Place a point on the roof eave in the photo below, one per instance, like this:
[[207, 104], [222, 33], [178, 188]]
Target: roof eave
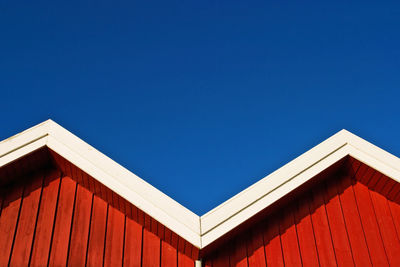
[[200, 231]]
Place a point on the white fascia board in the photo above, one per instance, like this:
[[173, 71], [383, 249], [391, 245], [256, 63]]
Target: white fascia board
[[269, 183], [23, 139], [200, 231], [275, 190], [123, 182], [370, 149], [132, 189], [15, 154], [129, 186], [247, 203]]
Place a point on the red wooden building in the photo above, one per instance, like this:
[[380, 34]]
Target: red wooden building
[[65, 203]]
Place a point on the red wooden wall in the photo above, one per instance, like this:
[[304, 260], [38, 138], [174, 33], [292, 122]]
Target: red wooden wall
[[62, 217], [351, 218]]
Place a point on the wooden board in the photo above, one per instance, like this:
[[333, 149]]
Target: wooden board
[[27, 221], [62, 225], [80, 227]]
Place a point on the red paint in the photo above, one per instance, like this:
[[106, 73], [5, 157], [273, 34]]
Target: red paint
[[114, 238], [45, 221], [305, 233], [238, 256], [387, 227], [168, 255], [151, 249], [287, 230], [346, 218], [255, 248], [133, 243], [78, 221], [222, 259], [80, 227], [62, 227], [184, 253], [322, 231], [8, 222], [97, 232], [272, 243], [337, 225], [369, 222], [27, 221], [353, 223]]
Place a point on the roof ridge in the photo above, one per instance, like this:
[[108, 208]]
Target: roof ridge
[[198, 230]]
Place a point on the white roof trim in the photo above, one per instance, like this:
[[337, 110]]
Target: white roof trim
[[200, 231]]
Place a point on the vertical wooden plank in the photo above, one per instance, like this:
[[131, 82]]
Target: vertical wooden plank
[[128, 209], [322, 232], [45, 220], [195, 253], [222, 258], [168, 255], [387, 227], [374, 179], [62, 226], [238, 257], [153, 226], [133, 243], [337, 224], [114, 238], [181, 245], [255, 248], [370, 225], [174, 240], [184, 259], [147, 221], [393, 193], [67, 168], [360, 171], [272, 243], [390, 183], [287, 230], [167, 235], [160, 231], [141, 216], [134, 213], [395, 211], [27, 221], [80, 227], [8, 221], [380, 184], [151, 249], [75, 175], [97, 233], [305, 233], [353, 223], [188, 251]]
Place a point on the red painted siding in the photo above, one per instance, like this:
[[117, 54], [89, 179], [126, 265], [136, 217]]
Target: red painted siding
[[61, 217], [351, 217]]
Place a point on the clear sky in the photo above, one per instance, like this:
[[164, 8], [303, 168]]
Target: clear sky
[[202, 98]]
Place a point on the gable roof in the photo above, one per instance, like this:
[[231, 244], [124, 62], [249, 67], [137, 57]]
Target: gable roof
[[198, 230]]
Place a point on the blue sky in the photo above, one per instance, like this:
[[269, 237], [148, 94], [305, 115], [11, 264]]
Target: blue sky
[[202, 98]]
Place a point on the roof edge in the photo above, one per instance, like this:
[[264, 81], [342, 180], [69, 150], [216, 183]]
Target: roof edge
[[123, 182], [204, 230]]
